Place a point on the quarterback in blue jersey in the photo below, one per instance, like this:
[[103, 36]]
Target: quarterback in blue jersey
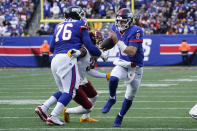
[[69, 36], [128, 38]]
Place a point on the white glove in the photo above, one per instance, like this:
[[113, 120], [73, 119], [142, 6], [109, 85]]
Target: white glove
[[75, 53], [104, 57]]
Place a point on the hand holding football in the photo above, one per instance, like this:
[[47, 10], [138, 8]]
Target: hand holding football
[[107, 44]]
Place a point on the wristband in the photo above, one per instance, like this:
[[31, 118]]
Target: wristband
[[121, 45]]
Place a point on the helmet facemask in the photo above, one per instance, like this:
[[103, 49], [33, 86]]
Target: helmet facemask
[[82, 15], [123, 27]]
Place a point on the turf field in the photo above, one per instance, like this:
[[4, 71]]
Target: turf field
[[162, 103]]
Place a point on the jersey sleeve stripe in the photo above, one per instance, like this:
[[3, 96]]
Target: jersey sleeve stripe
[[83, 27], [135, 40]]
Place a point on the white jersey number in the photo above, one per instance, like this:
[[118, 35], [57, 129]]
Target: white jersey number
[[66, 35]]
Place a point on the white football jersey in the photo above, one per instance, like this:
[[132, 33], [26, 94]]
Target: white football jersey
[[83, 63]]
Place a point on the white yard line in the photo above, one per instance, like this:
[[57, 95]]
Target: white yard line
[[118, 91], [105, 129], [46, 96], [15, 108], [15, 102], [179, 80], [105, 117]]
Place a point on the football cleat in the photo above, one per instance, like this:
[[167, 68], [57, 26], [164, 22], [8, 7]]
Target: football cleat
[[88, 120], [65, 115], [41, 113], [108, 105], [54, 120], [118, 121], [193, 112]]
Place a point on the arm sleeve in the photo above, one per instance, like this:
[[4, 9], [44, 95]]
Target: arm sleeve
[[93, 50], [52, 43], [96, 74]]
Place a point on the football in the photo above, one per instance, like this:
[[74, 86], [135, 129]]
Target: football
[[107, 44]]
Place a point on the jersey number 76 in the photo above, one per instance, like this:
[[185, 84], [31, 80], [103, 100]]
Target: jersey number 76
[[66, 35]]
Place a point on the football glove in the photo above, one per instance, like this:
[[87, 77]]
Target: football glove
[[74, 53], [108, 76]]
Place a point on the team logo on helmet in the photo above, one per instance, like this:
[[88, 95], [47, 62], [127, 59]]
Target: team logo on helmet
[[124, 15]]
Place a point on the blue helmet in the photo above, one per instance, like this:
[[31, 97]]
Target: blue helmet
[[124, 14], [75, 12]]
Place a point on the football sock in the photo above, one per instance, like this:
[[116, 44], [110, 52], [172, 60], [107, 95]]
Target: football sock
[[125, 106], [87, 115], [93, 100], [51, 101], [77, 110], [113, 84], [63, 100], [58, 109]]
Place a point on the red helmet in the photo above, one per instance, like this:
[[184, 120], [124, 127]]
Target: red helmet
[[96, 37]]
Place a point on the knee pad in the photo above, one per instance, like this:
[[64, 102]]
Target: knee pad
[[113, 82], [65, 98]]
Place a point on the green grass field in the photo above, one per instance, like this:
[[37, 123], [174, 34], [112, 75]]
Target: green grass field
[[162, 103]]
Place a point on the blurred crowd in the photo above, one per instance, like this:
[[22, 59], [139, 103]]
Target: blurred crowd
[[168, 17], [94, 8], [154, 16], [15, 16]]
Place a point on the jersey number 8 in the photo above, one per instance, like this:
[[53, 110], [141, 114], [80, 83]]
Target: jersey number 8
[[66, 32]]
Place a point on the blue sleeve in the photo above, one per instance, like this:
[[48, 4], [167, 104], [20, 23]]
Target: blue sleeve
[[93, 50], [52, 44]]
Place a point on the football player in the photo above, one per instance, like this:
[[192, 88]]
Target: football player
[[128, 37], [68, 35], [86, 95]]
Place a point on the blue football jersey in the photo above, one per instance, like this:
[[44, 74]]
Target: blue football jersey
[[71, 34], [133, 36]]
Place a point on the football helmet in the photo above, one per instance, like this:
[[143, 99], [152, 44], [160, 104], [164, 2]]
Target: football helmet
[[75, 12], [96, 37], [126, 16]]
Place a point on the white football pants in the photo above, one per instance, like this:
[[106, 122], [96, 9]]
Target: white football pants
[[65, 73], [134, 76]]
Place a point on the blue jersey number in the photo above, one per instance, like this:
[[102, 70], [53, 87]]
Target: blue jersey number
[[66, 35]]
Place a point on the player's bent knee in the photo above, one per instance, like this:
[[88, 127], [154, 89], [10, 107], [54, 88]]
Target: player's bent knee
[[57, 94], [113, 79]]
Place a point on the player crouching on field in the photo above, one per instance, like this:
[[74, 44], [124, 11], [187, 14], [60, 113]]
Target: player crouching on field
[[128, 38], [86, 95]]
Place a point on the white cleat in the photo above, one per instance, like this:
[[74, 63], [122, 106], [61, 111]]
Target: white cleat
[[41, 113], [193, 112], [54, 120]]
